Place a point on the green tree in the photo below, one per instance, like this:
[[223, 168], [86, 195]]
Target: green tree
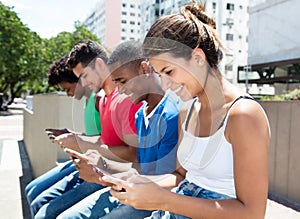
[[25, 57], [19, 52], [61, 45]]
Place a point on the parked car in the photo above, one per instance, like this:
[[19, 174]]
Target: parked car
[[3, 103]]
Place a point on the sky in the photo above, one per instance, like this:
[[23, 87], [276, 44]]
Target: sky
[[50, 17]]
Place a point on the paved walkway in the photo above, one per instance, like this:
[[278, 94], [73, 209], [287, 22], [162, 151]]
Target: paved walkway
[[15, 173]]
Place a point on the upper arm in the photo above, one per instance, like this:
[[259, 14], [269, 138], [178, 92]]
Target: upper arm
[[248, 132], [126, 116]]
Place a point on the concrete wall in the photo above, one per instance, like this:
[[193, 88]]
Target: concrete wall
[[274, 31], [284, 150], [59, 111], [49, 111]]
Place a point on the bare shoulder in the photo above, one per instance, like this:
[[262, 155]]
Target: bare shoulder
[[247, 117], [247, 109]]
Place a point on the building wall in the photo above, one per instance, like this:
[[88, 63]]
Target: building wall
[[274, 31], [112, 23], [232, 21], [131, 20], [106, 21], [122, 20], [49, 111]]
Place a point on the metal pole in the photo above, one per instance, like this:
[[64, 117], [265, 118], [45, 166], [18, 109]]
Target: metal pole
[[246, 69]]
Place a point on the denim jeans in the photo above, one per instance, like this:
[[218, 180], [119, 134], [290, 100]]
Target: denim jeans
[[127, 212], [189, 189], [101, 204], [43, 182], [61, 196], [93, 206]]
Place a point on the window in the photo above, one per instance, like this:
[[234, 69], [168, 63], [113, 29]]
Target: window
[[132, 22], [229, 37], [132, 14], [228, 67], [156, 12], [124, 12], [124, 22], [132, 30], [124, 5], [123, 30], [214, 5], [123, 38], [131, 6], [230, 7]]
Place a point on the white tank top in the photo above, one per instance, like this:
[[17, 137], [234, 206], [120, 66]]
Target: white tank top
[[208, 160]]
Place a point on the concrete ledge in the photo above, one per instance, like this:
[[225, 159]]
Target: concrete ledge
[[10, 159], [10, 195], [10, 172]]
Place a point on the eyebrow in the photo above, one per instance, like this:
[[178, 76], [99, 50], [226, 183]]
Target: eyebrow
[[117, 79], [164, 68]]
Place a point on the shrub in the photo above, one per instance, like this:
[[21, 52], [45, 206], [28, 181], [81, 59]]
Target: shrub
[[290, 95]]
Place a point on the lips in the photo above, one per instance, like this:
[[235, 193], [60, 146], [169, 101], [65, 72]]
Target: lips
[[178, 89]]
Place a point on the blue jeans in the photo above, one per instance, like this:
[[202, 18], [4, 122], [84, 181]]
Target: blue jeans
[[95, 205], [43, 182], [127, 212], [61, 196], [189, 189], [101, 204]]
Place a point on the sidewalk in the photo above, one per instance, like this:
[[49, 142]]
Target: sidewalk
[[15, 173], [14, 167]]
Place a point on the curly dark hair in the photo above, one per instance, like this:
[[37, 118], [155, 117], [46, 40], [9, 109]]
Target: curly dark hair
[[59, 72], [84, 52]]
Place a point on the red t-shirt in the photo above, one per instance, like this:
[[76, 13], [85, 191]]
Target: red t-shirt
[[117, 118]]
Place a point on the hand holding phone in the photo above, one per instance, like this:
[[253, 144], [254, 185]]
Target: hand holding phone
[[52, 133], [77, 155], [100, 171]]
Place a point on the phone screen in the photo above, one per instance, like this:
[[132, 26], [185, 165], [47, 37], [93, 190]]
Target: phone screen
[[100, 171]]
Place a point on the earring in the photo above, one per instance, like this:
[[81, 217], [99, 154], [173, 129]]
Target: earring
[[146, 76], [200, 61]]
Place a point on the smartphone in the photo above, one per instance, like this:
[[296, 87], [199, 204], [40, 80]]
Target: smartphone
[[75, 154], [100, 171]]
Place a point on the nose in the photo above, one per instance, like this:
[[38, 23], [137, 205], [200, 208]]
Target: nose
[[166, 82], [83, 82], [121, 88]]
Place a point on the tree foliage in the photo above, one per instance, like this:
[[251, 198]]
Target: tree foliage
[[19, 49], [60, 45], [25, 56]]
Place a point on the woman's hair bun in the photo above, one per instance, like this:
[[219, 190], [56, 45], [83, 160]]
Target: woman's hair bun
[[199, 11]]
